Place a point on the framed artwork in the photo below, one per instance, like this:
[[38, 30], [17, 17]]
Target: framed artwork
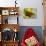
[[5, 12], [29, 13]]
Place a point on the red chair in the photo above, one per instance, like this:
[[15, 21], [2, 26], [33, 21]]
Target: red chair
[[29, 33]]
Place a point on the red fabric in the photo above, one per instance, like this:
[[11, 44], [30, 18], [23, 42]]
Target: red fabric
[[29, 33]]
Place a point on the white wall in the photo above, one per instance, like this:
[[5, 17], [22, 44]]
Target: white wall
[[7, 3], [27, 3], [33, 4]]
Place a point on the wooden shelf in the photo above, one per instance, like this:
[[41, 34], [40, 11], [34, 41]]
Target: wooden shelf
[[7, 13], [9, 43], [13, 27], [9, 8]]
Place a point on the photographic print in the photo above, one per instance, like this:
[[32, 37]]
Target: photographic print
[[5, 12], [29, 13]]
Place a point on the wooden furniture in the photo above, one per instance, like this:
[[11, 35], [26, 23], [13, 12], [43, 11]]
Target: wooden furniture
[[8, 26], [10, 43], [6, 12], [11, 26], [44, 6], [0, 43]]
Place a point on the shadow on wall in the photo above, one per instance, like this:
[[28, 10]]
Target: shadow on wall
[[37, 29]]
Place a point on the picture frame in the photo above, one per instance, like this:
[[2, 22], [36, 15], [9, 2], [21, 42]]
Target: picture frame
[[5, 12], [30, 13]]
